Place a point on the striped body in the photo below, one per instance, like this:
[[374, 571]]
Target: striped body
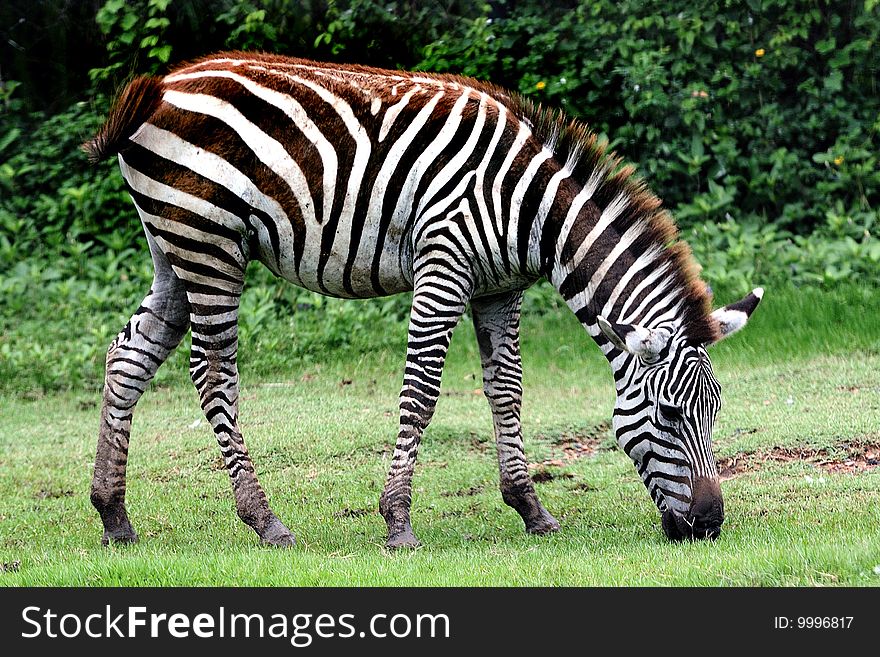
[[359, 182], [338, 194]]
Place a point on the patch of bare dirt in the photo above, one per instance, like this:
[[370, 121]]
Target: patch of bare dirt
[[575, 445], [543, 475], [476, 392], [465, 492], [846, 457], [860, 457], [352, 513], [569, 446], [53, 494], [479, 444]]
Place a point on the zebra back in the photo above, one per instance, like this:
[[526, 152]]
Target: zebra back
[[336, 172]]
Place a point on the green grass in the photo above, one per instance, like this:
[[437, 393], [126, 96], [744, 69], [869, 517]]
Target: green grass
[[321, 449]]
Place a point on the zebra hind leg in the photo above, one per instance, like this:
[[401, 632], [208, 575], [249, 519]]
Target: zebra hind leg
[[214, 371], [152, 333], [496, 321]]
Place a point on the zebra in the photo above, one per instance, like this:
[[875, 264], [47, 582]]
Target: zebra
[[359, 182]]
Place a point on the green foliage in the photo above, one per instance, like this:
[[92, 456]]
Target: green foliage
[[727, 108], [131, 39], [468, 48], [249, 28], [738, 256], [55, 205], [390, 34], [757, 123]]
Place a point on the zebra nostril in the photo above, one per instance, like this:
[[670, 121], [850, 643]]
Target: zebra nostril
[[712, 533], [706, 512], [703, 521], [706, 522]]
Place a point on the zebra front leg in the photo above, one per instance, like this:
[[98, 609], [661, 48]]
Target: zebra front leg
[[214, 371], [439, 301], [496, 321], [152, 333]]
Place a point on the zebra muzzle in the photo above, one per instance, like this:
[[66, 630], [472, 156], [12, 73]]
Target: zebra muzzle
[[703, 519]]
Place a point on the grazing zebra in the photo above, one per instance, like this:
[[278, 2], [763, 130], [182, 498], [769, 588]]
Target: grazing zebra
[[359, 182]]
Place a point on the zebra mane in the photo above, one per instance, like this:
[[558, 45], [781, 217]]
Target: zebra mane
[[576, 145]]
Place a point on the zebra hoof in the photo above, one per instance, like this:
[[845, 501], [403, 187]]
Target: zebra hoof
[[403, 540], [114, 518], [277, 535], [285, 541], [120, 536], [546, 524]]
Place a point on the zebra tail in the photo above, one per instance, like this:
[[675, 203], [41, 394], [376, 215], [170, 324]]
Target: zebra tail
[[137, 102]]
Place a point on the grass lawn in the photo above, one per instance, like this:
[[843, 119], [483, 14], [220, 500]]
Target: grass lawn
[[798, 438]]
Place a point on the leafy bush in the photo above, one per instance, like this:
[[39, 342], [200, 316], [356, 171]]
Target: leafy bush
[[738, 256], [130, 37], [756, 121], [765, 110], [55, 205]]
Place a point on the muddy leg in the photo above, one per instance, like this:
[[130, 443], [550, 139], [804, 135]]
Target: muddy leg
[[214, 371], [496, 320], [152, 333]]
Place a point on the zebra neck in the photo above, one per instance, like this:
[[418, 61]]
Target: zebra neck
[[604, 266]]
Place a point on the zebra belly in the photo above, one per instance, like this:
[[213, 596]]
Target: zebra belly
[[365, 269]]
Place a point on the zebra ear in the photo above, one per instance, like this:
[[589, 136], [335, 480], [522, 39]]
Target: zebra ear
[[637, 340], [733, 317]]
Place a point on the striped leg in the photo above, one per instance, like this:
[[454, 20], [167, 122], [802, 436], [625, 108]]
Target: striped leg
[[152, 333], [214, 371], [496, 320], [439, 300]]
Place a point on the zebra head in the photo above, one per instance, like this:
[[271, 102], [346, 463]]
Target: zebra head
[[667, 400]]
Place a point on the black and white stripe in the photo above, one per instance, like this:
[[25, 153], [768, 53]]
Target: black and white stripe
[[358, 182]]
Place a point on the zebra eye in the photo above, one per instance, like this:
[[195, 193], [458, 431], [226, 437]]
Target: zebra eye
[[672, 413]]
